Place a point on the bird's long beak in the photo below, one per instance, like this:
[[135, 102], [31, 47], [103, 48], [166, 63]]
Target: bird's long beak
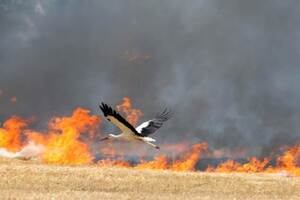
[[105, 138]]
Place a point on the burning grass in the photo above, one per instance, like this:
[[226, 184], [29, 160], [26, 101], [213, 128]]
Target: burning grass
[[31, 180], [59, 163], [67, 142]]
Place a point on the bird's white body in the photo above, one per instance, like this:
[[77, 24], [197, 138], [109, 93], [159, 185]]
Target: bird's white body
[[131, 137]]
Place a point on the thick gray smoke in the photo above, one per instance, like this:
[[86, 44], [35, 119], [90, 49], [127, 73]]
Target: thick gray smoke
[[228, 69]]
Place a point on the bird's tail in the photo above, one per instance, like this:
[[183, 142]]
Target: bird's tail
[[148, 139]]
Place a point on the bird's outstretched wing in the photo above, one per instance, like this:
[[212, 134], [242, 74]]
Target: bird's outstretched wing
[[115, 118], [151, 126]]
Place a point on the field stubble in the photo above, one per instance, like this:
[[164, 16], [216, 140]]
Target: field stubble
[[31, 180]]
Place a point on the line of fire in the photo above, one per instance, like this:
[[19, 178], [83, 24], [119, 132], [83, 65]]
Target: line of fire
[[73, 140]]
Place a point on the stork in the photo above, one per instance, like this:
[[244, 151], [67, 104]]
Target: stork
[[130, 133]]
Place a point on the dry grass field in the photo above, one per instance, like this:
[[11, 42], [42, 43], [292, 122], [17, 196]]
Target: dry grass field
[[30, 180]]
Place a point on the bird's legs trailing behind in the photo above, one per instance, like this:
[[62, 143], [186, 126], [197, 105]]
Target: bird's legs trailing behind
[[148, 141], [153, 145]]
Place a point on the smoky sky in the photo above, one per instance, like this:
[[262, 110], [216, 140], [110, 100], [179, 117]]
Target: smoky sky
[[228, 69]]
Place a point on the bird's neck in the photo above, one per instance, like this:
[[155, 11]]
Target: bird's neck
[[114, 136]]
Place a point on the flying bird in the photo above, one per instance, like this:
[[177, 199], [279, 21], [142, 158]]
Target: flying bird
[[130, 133]]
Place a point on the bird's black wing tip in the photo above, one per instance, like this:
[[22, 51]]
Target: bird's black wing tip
[[166, 114], [104, 105], [101, 106], [105, 108]]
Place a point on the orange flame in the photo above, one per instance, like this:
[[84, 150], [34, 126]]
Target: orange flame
[[187, 163], [159, 162], [10, 134], [288, 162], [132, 114], [63, 143], [254, 165], [190, 160], [64, 146]]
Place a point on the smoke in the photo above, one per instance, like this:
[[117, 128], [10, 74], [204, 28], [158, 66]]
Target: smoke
[[228, 69], [29, 151]]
